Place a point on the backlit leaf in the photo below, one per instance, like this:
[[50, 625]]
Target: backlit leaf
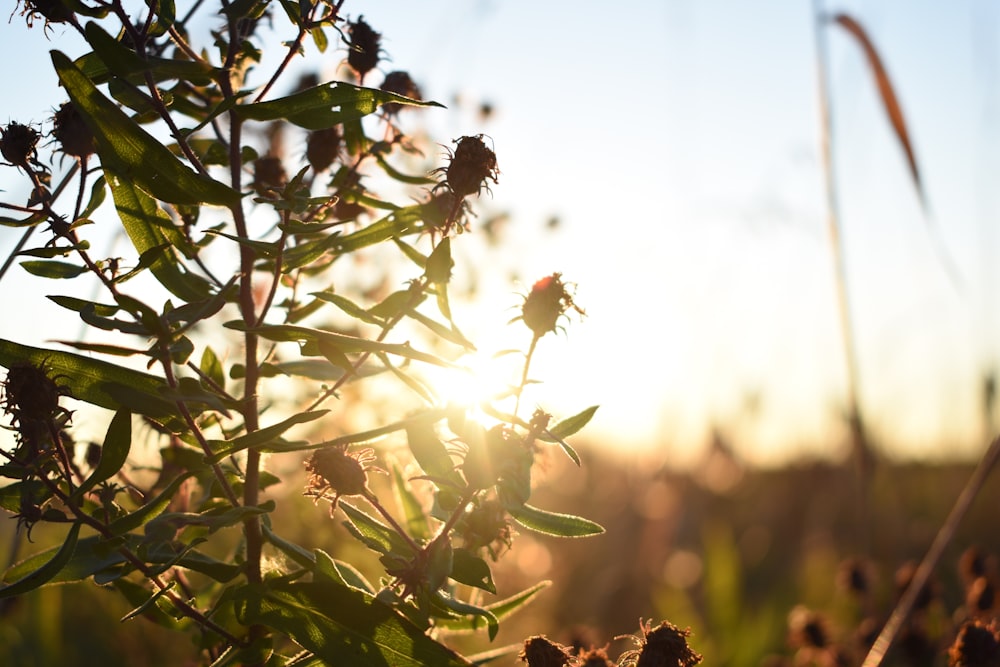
[[44, 572], [553, 523]]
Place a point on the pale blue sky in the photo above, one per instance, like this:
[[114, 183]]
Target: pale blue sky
[[678, 142]]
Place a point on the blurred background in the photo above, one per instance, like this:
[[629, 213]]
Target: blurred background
[[666, 158]]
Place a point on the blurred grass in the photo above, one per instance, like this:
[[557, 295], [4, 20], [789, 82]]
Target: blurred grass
[[727, 551]]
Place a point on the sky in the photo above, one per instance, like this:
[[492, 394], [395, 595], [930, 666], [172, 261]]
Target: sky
[[678, 145]]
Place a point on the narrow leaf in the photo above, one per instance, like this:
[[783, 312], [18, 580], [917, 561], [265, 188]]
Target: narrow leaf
[[52, 269], [325, 105], [500, 610], [571, 425], [376, 535], [413, 511], [131, 152], [224, 448], [471, 570], [553, 523], [95, 381], [114, 452], [47, 571], [150, 510], [145, 223], [343, 626]]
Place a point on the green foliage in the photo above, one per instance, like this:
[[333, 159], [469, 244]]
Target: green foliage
[[204, 324]]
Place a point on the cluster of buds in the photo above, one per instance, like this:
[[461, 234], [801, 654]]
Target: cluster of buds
[[665, 645]]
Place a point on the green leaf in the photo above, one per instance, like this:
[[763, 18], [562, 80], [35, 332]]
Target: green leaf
[[430, 452], [45, 572], [346, 344], [211, 367], [500, 610], [373, 533], [440, 263], [52, 269], [413, 511], [114, 452], [93, 556], [223, 448], [101, 348], [349, 307], [75, 304], [339, 572], [397, 175], [325, 105], [165, 526], [398, 223], [553, 523], [571, 425], [466, 609], [146, 223], [132, 153], [471, 570], [342, 626], [96, 381], [119, 60]]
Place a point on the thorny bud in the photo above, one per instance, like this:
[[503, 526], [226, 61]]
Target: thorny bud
[[333, 473], [72, 133], [977, 645], [472, 163], [17, 144], [546, 303], [268, 175], [399, 82], [595, 657], [364, 47], [486, 526], [663, 646], [539, 651], [30, 394], [323, 148], [53, 11]]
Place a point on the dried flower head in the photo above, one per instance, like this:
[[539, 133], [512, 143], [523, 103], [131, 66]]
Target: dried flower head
[[269, 175], [595, 657], [364, 47], [981, 598], [72, 133], [487, 525], [52, 11], [470, 166], [323, 148], [548, 300], [18, 143], [30, 394], [977, 645], [663, 646], [333, 473], [539, 651], [400, 83]]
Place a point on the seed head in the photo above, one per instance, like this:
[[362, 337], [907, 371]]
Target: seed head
[[30, 394], [977, 645], [17, 144], [595, 657], [472, 163], [323, 148], [333, 472], [539, 651], [364, 47], [400, 83], [486, 526], [663, 646], [269, 175], [52, 11], [72, 133], [548, 300]]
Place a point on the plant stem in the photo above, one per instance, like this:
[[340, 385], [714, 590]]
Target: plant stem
[[859, 441]]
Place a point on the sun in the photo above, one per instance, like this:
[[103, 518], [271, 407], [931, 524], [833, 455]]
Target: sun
[[478, 378]]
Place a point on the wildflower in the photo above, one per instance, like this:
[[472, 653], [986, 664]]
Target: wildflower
[[488, 526], [17, 144], [399, 82], [595, 657], [30, 394], [364, 47], [323, 148], [53, 11], [977, 645], [72, 133], [333, 473], [539, 651], [269, 175], [548, 300], [472, 163], [663, 646]]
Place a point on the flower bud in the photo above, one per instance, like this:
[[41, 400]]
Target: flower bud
[[546, 303], [400, 83], [472, 163], [323, 148], [364, 47], [72, 133], [539, 651], [17, 144]]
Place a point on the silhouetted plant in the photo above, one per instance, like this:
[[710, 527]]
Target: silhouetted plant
[[233, 293]]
